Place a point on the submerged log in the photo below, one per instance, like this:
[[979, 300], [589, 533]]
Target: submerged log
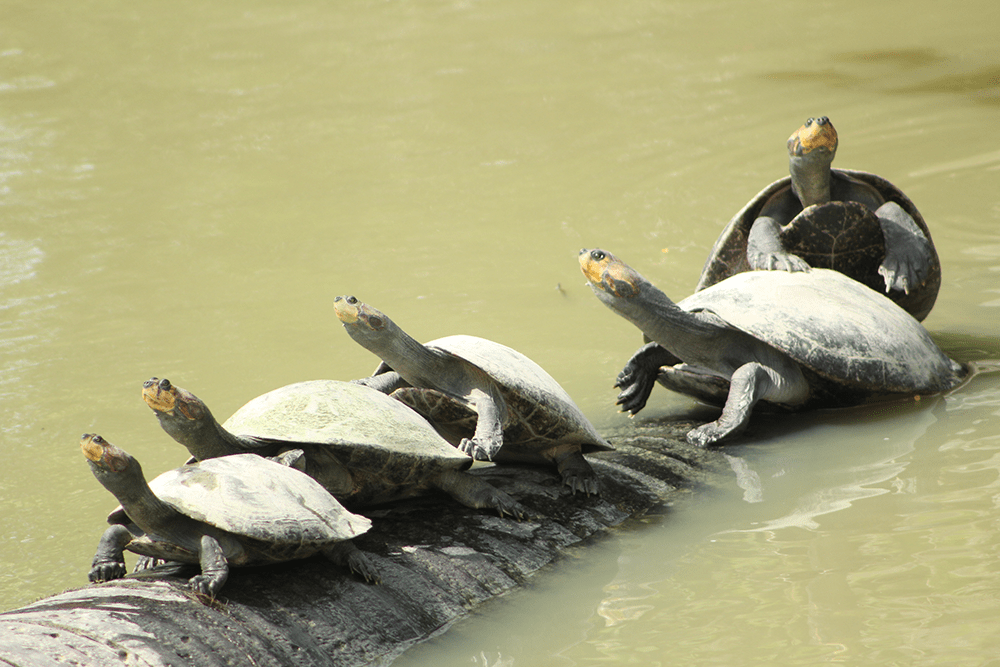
[[439, 560]]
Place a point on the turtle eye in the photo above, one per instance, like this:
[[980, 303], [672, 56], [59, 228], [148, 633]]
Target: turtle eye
[[823, 121], [352, 300], [164, 384], [98, 439], [597, 255]]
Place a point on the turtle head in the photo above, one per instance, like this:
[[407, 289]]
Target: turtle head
[[184, 416], [817, 136], [104, 458], [363, 322], [168, 400], [609, 277]]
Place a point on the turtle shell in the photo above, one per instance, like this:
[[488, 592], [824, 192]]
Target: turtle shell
[[843, 236], [848, 337], [544, 410], [358, 420], [254, 498]]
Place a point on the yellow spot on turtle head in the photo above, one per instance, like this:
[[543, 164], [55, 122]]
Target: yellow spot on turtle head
[[158, 394], [608, 273], [92, 446], [346, 308], [816, 133]]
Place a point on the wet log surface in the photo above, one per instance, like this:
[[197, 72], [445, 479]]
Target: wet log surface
[[438, 560]]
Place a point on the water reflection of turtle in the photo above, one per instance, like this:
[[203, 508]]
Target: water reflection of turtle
[[492, 401], [237, 510], [794, 339], [851, 221], [361, 445]]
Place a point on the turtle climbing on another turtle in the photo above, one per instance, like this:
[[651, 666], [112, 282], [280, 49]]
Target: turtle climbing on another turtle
[[491, 401], [796, 340], [850, 221], [237, 510], [362, 446]]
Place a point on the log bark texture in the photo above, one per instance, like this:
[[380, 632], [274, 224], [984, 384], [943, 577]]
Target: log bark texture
[[439, 560]]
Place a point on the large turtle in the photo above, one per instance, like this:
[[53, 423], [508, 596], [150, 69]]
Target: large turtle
[[362, 446], [237, 510], [851, 221], [491, 401], [797, 340]]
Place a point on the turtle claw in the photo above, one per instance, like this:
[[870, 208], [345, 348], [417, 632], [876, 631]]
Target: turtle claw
[[506, 505], [582, 484], [106, 571]]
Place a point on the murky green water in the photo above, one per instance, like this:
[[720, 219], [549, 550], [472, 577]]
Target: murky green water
[[184, 187]]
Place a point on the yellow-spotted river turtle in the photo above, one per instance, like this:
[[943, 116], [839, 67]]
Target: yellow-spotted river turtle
[[491, 401], [851, 221], [798, 340], [237, 510]]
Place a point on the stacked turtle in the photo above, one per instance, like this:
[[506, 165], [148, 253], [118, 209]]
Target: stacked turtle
[[850, 221]]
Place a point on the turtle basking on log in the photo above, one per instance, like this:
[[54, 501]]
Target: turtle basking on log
[[362, 446], [850, 221], [493, 402], [805, 339], [236, 510]]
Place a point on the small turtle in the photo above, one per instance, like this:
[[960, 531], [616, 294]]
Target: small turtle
[[797, 340], [851, 221], [237, 510], [490, 400], [362, 446]]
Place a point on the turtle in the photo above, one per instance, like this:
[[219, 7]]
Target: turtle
[[489, 400], [362, 446], [237, 510], [851, 221], [796, 340]]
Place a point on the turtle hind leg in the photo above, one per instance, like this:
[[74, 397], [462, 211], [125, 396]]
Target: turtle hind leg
[[576, 472], [750, 383], [478, 494], [349, 556]]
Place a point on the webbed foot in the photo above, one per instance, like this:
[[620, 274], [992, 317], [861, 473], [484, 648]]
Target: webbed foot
[[777, 261], [638, 378], [358, 562], [207, 584], [904, 268], [108, 570], [482, 449], [577, 473]]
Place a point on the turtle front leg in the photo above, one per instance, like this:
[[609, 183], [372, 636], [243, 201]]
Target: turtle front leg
[[214, 568], [478, 494], [488, 438], [765, 251], [908, 253], [750, 383], [346, 555], [638, 378], [109, 561]]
